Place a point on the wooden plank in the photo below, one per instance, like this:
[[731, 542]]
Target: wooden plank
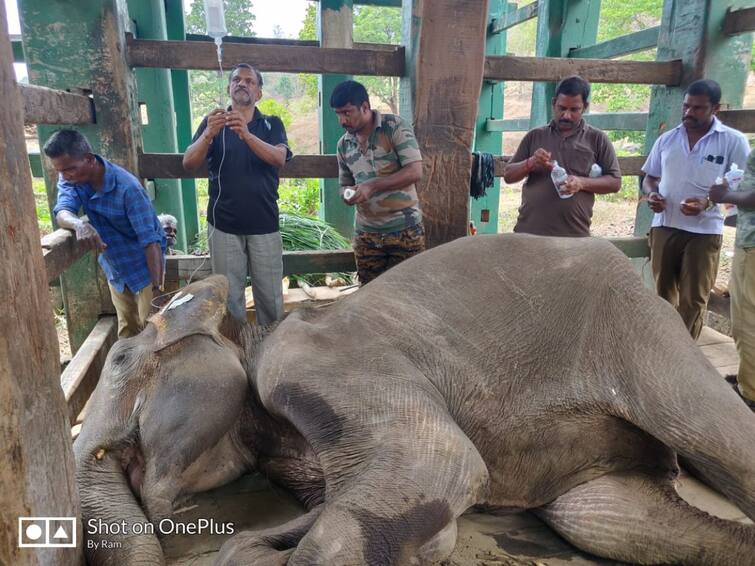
[[49, 106], [285, 41], [511, 68], [634, 121], [278, 58], [37, 471], [181, 268], [742, 120], [169, 166], [632, 246], [739, 21], [60, 251], [81, 375], [630, 166], [513, 18], [624, 45]]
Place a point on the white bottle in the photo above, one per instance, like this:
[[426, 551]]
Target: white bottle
[[596, 171], [558, 176], [734, 176]]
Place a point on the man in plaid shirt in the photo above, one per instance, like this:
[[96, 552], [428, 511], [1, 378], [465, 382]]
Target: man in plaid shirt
[[120, 224]]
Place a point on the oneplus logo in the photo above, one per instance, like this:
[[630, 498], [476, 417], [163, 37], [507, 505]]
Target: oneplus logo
[[47, 532]]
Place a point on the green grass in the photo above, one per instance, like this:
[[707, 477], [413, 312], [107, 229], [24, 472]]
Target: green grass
[[43, 209]]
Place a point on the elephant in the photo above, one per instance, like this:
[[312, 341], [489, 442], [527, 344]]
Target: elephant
[[502, 372]]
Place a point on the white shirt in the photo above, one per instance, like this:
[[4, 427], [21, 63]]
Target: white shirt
[[688, 173]]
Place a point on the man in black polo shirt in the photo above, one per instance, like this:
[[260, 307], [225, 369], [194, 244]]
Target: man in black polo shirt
[[244, 150], [576, 147]]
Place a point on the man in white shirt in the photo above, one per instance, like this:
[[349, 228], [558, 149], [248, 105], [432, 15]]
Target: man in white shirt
[[686, 234]]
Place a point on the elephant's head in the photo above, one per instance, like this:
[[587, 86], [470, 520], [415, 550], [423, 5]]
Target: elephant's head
[[139, 448]]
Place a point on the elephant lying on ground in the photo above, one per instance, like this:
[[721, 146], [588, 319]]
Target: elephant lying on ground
[[513, 372]]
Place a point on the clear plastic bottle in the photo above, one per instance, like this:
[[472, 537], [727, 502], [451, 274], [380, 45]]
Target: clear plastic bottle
[[596, 170], [558, 176], [733, 177]]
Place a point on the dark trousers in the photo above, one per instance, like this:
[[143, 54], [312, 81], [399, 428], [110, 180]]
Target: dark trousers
[[376, 252], [685, 265]]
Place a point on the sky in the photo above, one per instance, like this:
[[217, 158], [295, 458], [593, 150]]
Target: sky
[[288, 14]]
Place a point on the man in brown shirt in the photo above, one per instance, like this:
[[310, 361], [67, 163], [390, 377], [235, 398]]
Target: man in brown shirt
[[576, 146]]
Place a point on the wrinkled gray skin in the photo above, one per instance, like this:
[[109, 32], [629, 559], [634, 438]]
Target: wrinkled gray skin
[[501, 371]]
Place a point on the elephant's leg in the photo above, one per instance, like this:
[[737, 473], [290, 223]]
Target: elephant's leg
[[270, 547], [402, 507], [641, 519]]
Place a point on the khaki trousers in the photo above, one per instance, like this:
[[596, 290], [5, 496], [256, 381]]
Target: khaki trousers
[[132, 310], [742, 290], [685, 265]]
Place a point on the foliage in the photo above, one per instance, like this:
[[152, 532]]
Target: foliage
[[299, 196], [274, 108], [375, 24], [43, 208], [309, 32]]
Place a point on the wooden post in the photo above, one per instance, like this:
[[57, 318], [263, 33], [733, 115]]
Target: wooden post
[[89, 54], [562, 25], [37, 474], [484, 211], [448, 56], [706, 52], [336, 30]]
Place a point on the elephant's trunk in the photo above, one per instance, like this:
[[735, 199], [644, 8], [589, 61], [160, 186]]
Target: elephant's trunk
[[115, 528]]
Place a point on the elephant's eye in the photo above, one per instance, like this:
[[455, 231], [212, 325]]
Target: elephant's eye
[[119, 359]]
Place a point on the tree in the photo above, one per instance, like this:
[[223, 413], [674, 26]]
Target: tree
[[208, 88], [309, 32], [375, 24]]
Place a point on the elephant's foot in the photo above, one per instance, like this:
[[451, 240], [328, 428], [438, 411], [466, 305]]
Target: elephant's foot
[[271, 547], [636, 518]]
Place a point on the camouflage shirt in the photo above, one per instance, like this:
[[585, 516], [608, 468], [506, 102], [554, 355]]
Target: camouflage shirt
[[746, 216], [390, 147]]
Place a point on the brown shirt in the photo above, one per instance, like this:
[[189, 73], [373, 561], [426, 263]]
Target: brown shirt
[[542, 211]]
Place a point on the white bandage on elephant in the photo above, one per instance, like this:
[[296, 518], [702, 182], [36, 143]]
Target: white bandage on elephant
[[513, 372]]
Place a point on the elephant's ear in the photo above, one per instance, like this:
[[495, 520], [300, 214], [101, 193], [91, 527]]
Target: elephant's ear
[[198, 308]]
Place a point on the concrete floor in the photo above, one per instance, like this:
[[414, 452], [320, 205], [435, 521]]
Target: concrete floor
[[484, 540]]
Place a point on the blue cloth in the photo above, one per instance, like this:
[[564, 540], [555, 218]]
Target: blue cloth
[[125, 220]]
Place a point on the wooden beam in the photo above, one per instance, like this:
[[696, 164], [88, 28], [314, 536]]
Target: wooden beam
[[739, 21], [742, 120], [49, 106], [82, 373], [624, 45], [285, 41], [37, 471], [170, 166], [513, 18], [60, 251], [510, 68], [278, 58], [179, 268], [630, 166], [634, 121]]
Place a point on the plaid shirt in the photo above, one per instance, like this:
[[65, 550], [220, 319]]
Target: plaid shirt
[[125, 220]]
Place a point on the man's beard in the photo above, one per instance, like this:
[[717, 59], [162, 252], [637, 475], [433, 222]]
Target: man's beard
[[242, 98]]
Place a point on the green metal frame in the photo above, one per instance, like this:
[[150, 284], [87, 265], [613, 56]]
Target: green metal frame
[[332, 208], [484, 211], [624, 45], [155, 90]]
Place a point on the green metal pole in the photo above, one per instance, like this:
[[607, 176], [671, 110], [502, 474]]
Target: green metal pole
[[484, 211], [562, 25], [174, 17], [156, 93], [686, 27], [332, 208]]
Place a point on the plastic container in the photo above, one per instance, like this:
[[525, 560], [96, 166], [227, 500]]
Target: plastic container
[[596, 171], [348, 193], [214, 16], [558, 176], [734, 177]]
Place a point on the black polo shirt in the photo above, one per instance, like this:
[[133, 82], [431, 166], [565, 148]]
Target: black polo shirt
[[248, 187]]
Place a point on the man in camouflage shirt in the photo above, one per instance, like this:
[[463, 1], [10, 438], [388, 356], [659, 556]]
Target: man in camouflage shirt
[[742, 280], [379, 160]]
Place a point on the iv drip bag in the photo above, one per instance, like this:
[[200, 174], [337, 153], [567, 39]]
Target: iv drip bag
[[214, 14]]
